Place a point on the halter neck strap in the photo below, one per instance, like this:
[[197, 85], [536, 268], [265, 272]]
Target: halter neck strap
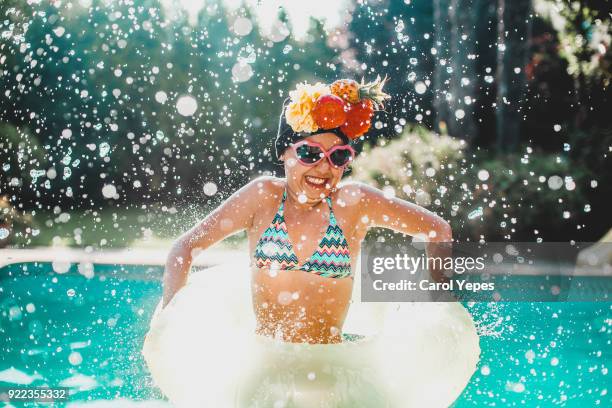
[[332, 217]]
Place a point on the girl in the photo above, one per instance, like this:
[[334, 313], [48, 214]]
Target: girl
[[304, 232]]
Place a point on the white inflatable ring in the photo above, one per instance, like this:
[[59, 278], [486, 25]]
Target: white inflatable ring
[[202, 352]]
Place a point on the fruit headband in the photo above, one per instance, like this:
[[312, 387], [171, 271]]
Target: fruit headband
[[345, 108]]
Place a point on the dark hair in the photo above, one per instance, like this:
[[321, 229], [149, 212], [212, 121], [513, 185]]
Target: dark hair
[[285, 135]]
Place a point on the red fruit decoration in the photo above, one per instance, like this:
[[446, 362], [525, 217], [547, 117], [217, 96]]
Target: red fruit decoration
[[329, 111], [358, 118], [362, 100]]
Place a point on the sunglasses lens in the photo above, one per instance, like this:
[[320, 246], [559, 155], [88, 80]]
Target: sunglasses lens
[[340, 157], [309, 154]]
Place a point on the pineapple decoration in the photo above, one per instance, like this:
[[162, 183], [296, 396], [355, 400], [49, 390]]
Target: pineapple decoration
[[350, 106]]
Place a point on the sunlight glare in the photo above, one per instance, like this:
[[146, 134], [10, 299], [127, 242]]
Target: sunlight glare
[[298, 13]]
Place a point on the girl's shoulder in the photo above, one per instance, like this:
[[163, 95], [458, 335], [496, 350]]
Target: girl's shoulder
[[348, 198], [265, 188], [270, 184], [349, 191], [357, 191], [355, 197]]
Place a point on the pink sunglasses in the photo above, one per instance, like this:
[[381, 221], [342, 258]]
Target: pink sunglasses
[[310, 153]]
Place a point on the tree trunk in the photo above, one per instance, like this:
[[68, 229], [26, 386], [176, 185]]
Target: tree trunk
[[442, 45], [463, 79], [513, 31]]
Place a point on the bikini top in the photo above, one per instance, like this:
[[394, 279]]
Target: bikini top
[[331, 259]]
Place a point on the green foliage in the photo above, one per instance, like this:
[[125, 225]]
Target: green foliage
[[520, 196], [79, 81], [584, 31], [581, 33], [20, 158], [395, 38], [96, 81]]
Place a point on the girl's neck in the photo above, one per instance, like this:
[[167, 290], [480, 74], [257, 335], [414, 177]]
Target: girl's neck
[[299, 204]]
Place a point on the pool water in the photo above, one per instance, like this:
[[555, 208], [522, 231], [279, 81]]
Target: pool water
[[84, 328]]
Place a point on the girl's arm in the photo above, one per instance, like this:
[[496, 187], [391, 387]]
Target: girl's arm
[[407, 218], [233, 215]]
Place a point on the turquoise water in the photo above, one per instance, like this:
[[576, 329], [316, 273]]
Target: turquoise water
[[89, 331]]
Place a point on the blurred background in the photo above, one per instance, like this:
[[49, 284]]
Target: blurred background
[[122, 122]]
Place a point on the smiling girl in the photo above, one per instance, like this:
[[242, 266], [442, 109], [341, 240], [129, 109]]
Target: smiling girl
[[305, 232]]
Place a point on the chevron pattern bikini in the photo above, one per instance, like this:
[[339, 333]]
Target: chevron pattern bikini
[[331, 259]]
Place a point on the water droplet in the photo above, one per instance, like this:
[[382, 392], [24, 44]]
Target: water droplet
[[161, 97], [388, 192], [247, 55], [420, 88], [15, 313], [104, 149], [186, 105], [59, 31], [109, 191], [36, 174], [279, 31], [518, 387], [284, 298], [4, 233], [75, 358], [242, 72], [475, 213], [242, 26], [555, 182], [210, 188], [60, 267]]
